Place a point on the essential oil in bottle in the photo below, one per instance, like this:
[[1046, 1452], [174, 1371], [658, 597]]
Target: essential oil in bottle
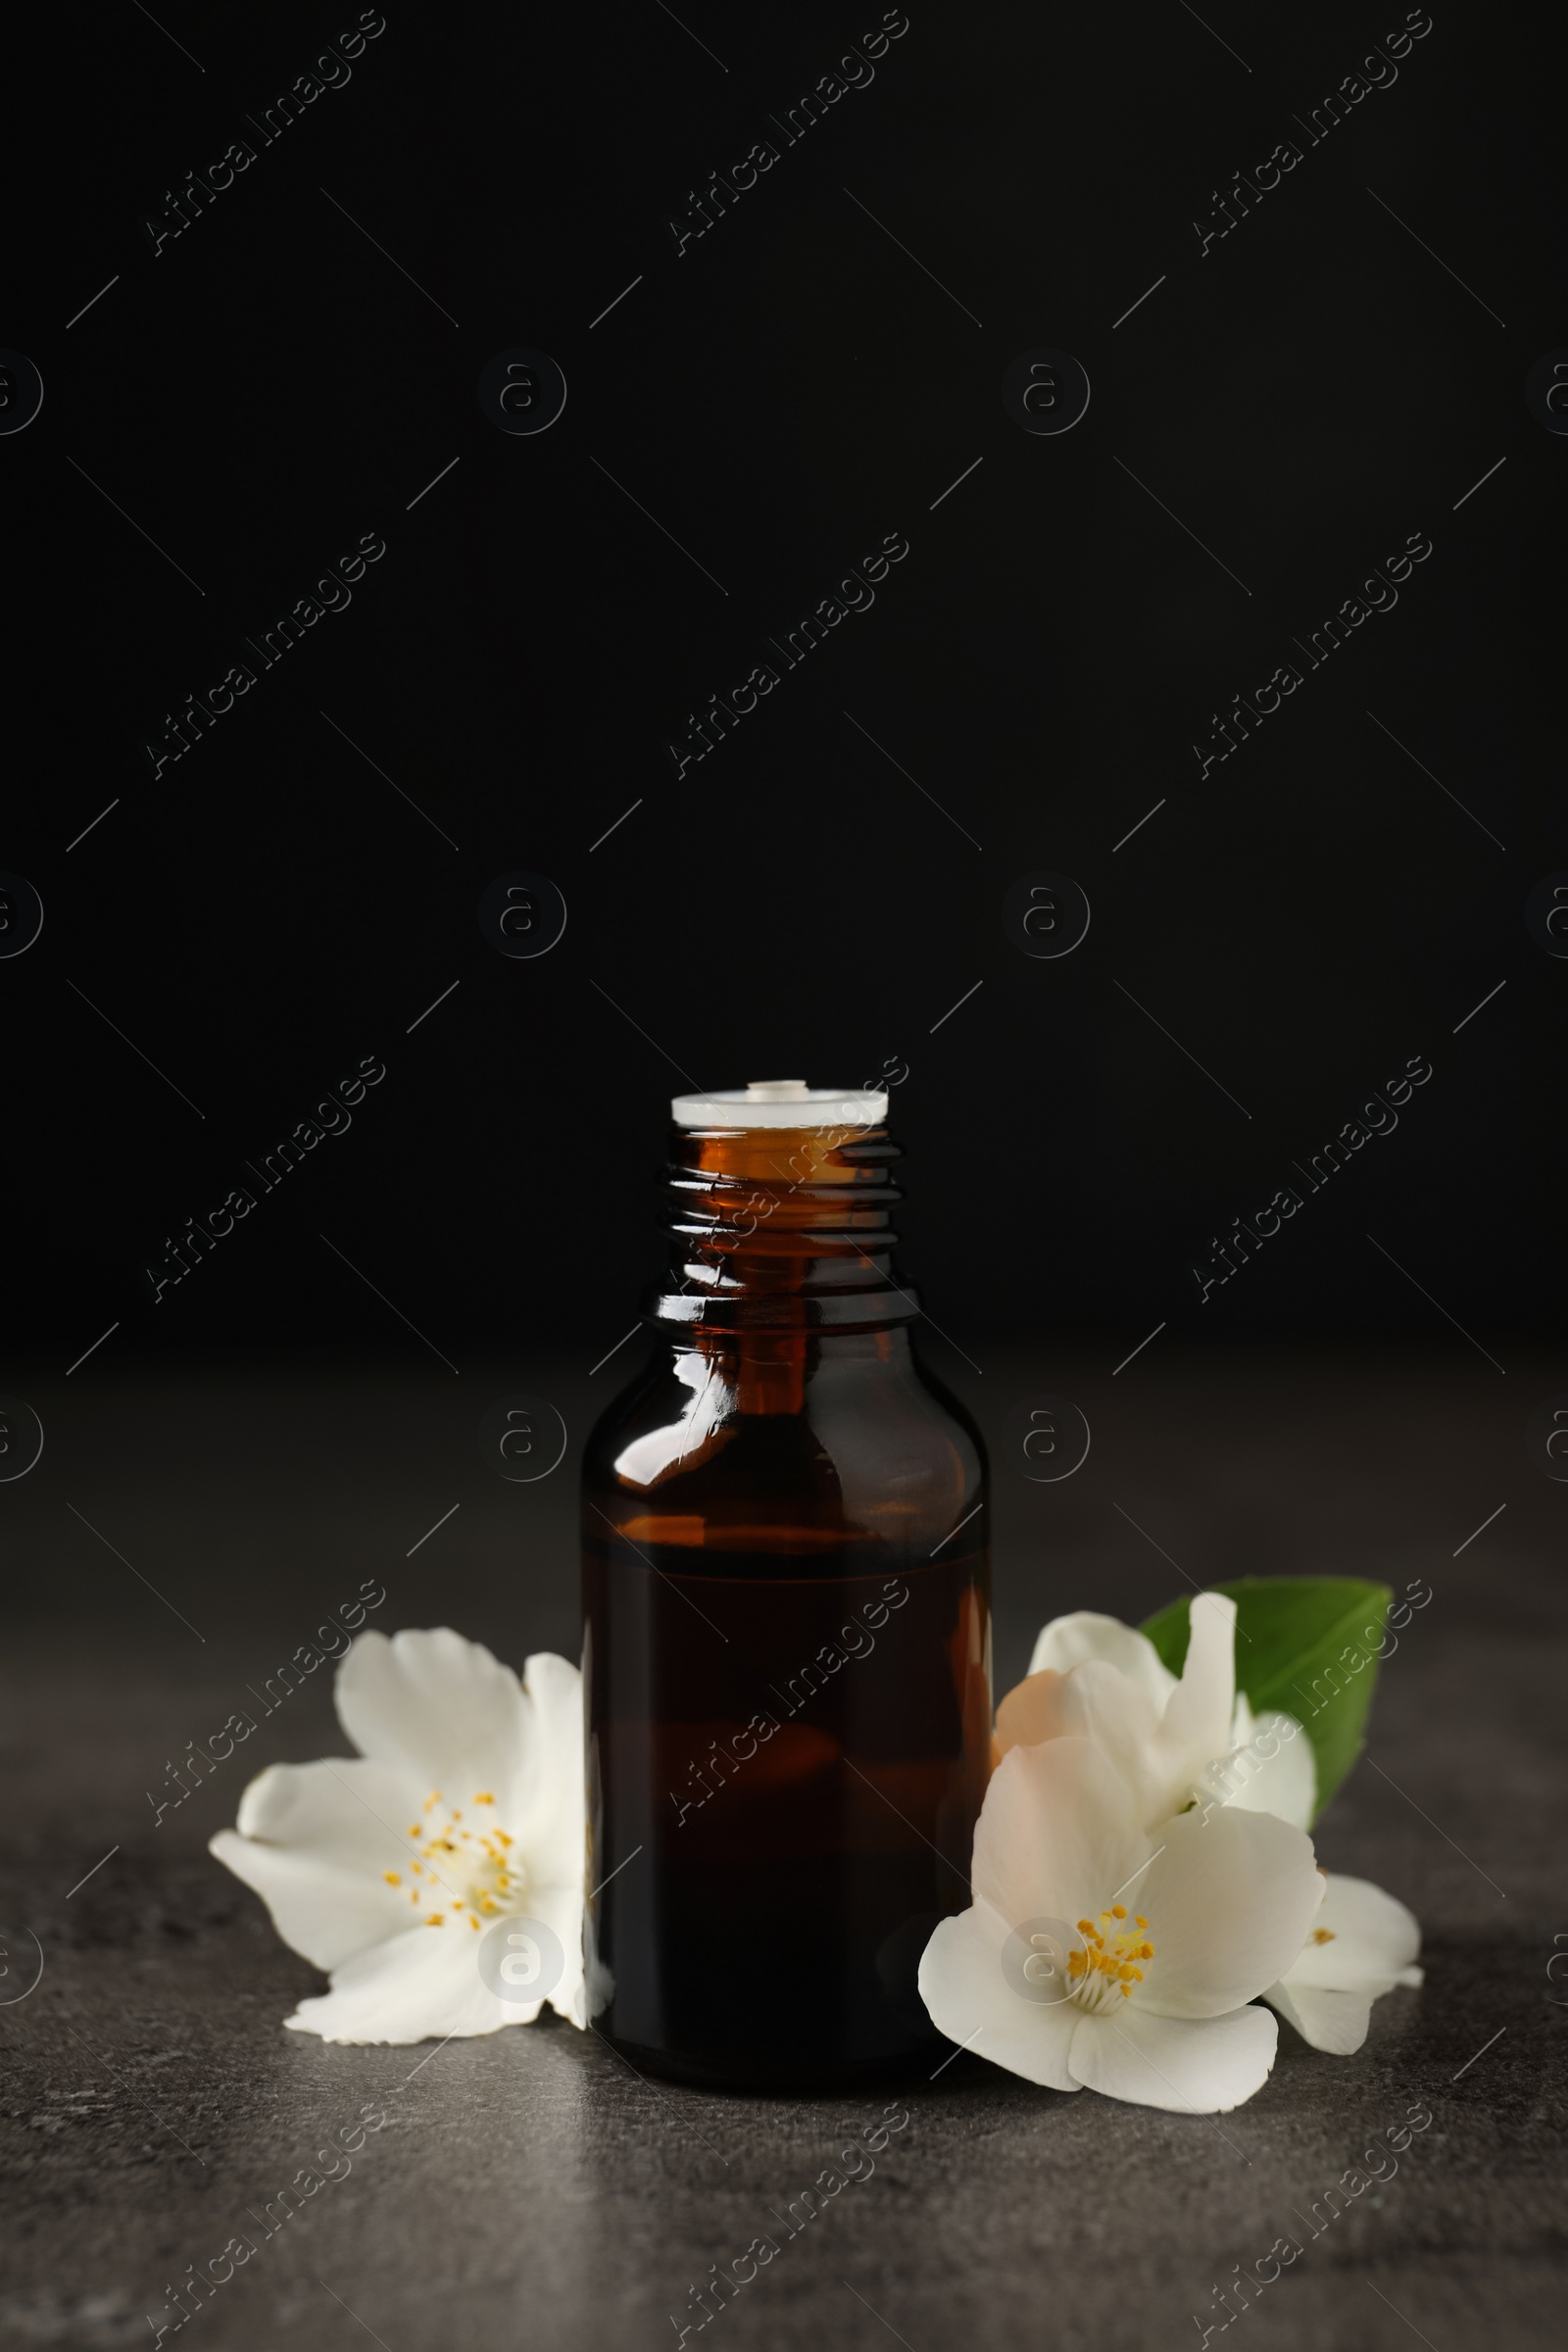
[[786, 1644]]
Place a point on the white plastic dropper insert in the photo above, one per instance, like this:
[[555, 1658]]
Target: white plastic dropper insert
[[781, 1102]]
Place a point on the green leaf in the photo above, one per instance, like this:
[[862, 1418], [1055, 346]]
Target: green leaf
[[1305, 1645]]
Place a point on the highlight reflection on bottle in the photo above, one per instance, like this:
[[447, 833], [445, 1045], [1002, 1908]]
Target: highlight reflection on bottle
[[786, 1620]]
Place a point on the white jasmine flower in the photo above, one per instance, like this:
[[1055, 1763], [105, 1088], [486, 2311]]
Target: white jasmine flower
[[1098, 1956], [1364, 1943], [463, 1809]]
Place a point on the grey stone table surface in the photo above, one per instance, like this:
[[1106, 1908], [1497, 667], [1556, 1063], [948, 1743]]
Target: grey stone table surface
[[182, 1534]]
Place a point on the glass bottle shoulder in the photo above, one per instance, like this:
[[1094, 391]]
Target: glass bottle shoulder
[[838, 1440]]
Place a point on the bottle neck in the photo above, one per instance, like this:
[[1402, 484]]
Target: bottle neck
[[785, 1229]]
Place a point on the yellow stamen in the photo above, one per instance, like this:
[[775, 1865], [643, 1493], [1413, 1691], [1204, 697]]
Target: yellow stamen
[[482, 1796], [393, 1878], [1322, 1935], [1107, 1963], [435, 1920]]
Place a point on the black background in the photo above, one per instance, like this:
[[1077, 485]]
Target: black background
[[221, 1470], [1305, 396]]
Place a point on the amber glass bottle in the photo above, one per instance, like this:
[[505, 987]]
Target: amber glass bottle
[[786, 1646]]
